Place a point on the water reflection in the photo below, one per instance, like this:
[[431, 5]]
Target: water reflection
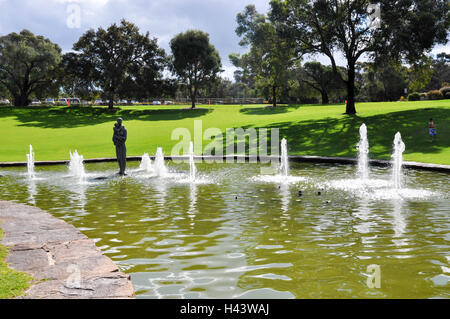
[[399, 223], [192, 198], [363, 214], [32, 191], [285, 196], [79, 199]]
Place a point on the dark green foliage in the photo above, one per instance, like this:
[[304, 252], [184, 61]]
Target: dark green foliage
[[321, 78], [441, 71], [28, 65], [194, 60], [407, 29], [270, 56], [120, 60], [414, 97], [445, 91]]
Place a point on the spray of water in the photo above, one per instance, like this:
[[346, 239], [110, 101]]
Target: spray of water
[[363, 154], [284, 165], [397, 161], [76, 166], [30, 164], [160, 168], [146, 164], [192, 168]]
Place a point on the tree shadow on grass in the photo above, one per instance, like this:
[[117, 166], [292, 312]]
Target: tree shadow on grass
[[338, 137], [268, 109], [69, 117]]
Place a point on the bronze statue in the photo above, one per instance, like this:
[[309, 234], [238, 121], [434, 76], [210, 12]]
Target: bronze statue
[[119, 138]]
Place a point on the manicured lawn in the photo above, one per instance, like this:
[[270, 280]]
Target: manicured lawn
[[309, 129], [12, 282]]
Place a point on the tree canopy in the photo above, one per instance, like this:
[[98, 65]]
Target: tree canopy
[[406, 28], [270, 56], [194, 60], [28, 65], [120, 60]]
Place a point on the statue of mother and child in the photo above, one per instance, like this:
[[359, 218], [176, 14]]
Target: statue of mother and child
[[119, 139]]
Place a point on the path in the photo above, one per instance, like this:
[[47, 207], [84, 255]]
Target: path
[[63, 262]]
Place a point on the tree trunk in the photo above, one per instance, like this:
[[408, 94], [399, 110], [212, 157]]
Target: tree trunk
[[325, 99], [193, 97], [111, 103], [274, 96], [350, 108], [21, 100]]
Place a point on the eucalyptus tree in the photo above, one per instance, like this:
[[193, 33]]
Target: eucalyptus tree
[[356, 28], [270, 56], [321, 78]]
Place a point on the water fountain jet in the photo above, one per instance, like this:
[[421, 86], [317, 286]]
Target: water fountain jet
[[76, 166], [363, 154], [397, 156], [146, 164], [192, 168], [284, 165], [159, 167], [30, 164]]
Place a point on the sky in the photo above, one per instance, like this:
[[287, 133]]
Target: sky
[[56, 20]]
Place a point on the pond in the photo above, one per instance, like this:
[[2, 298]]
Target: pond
[[237, 233]]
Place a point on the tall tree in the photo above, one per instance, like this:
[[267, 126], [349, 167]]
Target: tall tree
[[441, 72], [27, 64], [120, 58], [270, 55], [420, 74], [383, 80], [75, 76], [406, 28], [321, 78], [194, 60]]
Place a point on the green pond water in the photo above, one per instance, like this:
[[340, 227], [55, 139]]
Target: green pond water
[[239, 234]]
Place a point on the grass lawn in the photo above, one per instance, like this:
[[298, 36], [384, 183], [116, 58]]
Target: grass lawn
[[12, 282], [309, 129]]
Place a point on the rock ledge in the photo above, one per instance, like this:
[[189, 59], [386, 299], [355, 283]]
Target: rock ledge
[[63, 262]]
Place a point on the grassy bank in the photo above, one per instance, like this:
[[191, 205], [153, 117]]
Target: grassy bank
[[12, 282], [309, 129]]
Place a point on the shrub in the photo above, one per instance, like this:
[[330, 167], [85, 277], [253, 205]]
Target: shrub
[[435, 95], [414, 97], [445, 91]]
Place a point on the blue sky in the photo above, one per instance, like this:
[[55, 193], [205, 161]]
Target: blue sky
[[162, 18]]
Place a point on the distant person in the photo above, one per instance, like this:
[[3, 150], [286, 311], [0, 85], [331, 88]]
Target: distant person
[[119, 139], [432, 130]]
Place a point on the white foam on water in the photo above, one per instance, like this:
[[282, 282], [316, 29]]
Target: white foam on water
[[76, 166], [160, 168], [146, 164]]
